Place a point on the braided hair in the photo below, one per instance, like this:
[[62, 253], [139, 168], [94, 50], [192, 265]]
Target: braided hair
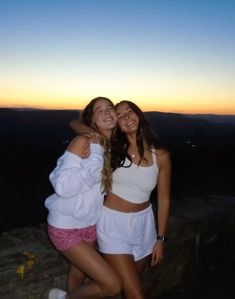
[[87, 119]]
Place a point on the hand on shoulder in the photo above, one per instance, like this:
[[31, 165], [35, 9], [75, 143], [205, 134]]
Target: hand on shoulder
[[96, 138], [80, 146]]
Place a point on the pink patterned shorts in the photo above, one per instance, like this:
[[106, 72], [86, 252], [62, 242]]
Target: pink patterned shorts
[[64, 239]]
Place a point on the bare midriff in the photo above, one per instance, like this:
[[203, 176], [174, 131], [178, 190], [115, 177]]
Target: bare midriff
[[117, 203]]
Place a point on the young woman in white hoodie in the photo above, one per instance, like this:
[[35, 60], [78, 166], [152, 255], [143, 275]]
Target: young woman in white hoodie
[[80, 183]]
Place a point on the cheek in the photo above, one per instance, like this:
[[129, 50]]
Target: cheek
[[96, 120], [121, 124], [114, 117]]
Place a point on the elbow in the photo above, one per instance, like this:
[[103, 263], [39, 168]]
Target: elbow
[[64, 188], [62, 191]]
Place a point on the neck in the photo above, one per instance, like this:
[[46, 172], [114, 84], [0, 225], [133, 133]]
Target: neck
[[107, 133], [132, 139]]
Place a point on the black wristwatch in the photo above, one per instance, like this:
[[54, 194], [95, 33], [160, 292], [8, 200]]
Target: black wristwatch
[[162, 238]]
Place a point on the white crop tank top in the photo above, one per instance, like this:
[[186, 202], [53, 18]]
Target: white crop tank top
[[135, 183]]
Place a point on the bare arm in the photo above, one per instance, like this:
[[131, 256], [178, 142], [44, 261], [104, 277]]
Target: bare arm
[[164, 184], [80, 128], [163, 190], [79, 145]]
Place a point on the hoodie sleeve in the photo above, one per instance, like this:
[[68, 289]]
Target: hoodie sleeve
[[74, 175]]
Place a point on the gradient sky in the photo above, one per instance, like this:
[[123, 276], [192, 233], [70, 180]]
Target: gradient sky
[[168, 55]]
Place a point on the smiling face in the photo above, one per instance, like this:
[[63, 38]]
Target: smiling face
[[104, 116], [127, 119]]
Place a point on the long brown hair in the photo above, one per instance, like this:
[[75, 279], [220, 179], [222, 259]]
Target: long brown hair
[[87, 119], [120, 142]]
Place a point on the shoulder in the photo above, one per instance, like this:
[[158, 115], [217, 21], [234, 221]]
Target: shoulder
[[78, 143], [161, 152], [163, 157]]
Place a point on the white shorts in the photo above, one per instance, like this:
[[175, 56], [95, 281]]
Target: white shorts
[[126, 233]]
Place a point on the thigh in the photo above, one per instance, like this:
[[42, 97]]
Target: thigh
[[127, 269], [87, 260], [141, 264]]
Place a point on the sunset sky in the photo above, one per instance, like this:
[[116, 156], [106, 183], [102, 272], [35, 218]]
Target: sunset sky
[[165, 55]]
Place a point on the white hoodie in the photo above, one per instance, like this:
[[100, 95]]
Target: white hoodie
[[78, 197]]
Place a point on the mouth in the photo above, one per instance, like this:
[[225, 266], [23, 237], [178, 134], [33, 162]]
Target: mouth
[[108, 119], [130, 124]]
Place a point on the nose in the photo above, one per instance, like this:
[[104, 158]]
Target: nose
[[106, 111], [126, 116]]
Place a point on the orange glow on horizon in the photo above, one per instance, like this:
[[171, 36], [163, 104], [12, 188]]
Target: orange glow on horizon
[[194, 107]]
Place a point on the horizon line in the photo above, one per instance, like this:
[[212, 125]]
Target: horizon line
[[76, 109]]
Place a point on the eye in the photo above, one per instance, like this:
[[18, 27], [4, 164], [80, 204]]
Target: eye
[[130, 111], [110, 109], [120, 116]]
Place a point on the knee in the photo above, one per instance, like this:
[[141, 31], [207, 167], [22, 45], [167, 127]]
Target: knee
[[137, 294], [113, 287], [116, 288], [74, 280]]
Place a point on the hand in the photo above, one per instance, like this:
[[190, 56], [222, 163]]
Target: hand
[[85, 152], [95, 138], [80, 146], [158, 253]]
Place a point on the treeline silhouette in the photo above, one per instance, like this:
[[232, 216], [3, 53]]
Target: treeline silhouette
[[202, 150]]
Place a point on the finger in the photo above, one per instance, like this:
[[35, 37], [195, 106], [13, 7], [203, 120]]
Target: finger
[[94, 138], [86, 154], [156, 260], [153, 260]]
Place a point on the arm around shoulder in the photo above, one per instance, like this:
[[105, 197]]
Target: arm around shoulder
[[80, 128]]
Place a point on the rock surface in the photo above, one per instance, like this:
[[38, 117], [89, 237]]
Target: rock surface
[[200, 251]]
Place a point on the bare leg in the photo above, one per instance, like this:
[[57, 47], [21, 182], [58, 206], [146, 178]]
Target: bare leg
[[129, 272], [141, 264], [75, 278], [104, 281]]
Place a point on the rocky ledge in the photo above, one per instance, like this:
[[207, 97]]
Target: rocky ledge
[[200, 251]]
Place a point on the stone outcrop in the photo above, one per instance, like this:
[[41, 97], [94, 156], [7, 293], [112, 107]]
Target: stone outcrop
[[200, 250]]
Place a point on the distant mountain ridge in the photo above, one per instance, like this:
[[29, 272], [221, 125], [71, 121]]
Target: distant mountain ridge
[[174, 129], [218, 118]]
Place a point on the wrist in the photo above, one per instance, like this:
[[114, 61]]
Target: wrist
[[162, 238]]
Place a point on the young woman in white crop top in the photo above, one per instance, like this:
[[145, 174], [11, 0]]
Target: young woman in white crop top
[[126, 231], [75, 206]]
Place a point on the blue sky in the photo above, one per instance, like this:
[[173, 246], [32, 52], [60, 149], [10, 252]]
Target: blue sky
[[166, 55]]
